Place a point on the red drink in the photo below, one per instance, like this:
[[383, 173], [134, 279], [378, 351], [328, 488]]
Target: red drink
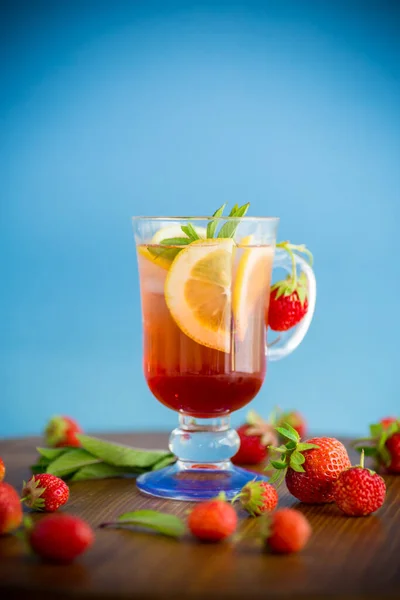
[[182, 372]]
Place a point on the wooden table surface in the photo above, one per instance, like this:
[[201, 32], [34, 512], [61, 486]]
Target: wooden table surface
[[346, 558]]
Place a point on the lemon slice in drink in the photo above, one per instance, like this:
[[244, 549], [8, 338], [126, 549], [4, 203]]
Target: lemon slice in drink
[[198, 292], [252, 280]]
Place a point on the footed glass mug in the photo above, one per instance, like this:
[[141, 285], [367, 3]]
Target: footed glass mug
[[204, 306]]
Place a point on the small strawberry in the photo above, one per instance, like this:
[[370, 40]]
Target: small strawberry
[[213, 520], [294, 418], [255, 437], [288, 302], [257, 497], [10, 509], [61, 432], [285, 531], [45, 492], [386, 421], [310, 468], [383, 444], [60, 538], [2, 469], [358, 491]]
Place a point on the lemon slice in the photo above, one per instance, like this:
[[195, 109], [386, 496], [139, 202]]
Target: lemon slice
[[159, 260], [252, 280], [198, 292]]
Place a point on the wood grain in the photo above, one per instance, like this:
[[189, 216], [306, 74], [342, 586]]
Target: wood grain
[[346, 557]]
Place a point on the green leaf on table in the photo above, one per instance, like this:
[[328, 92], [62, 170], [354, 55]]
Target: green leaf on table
[[164, 523], [71, 461], [101, 470], [121, 455], [212, 225], [228, 229], [51, 453], [190, 232], [164, 462]]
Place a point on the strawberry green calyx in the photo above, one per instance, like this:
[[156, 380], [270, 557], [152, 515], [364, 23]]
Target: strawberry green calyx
[[257, 498], [290, 454], [293, 283], [257, 426], [32, 494], [55, 431], [375, 445]]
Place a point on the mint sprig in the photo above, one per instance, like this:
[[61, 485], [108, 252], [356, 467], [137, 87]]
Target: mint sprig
[[98, 459], [163, 523]]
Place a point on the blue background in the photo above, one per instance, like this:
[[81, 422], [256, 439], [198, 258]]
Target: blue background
[[110, 109]]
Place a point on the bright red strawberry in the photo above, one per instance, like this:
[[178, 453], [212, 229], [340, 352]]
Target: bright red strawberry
[[358, 491], [45, 492], [286, 530], [10, 509], [295, 419], [288, 302], [61, 432], [213, 520], [310, 468], [2, 469], [258, 497], [60, 538], [255, 437], [383, 444]]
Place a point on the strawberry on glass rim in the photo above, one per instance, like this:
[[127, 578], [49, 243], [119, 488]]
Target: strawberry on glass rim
[[288, 302]]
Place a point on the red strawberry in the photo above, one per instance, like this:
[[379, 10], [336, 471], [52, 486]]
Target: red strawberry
[[10, 509], [60, 538], [255, 437], [213, 520], [383, 444], [286, 530], [386, 421], [45, 492], [295, 419], [358, 491], [258, 497], [310, 468], [61, 432], [2, 469], [288, 301]]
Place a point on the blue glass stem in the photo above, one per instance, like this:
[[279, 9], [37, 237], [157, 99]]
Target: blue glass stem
[[203, 448]]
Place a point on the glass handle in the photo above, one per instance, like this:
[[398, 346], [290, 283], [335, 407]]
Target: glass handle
[[287, 341]]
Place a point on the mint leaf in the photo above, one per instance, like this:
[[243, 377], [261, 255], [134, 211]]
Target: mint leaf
[[164, 523], [212, 225], [176, 241], [228, 229], [167, 253], [71, 461], [190, 232], [120, 455], [234, 210]]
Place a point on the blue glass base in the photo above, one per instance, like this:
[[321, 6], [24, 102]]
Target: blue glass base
[[188, 481]]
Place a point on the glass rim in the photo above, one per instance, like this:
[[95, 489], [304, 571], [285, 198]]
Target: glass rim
[[205, 218]]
